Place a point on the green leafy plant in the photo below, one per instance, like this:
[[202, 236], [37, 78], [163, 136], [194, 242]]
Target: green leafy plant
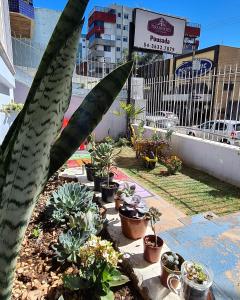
[[103, 157], [154, 216], [173, 164], [195, 273], [11, 107], [98, 271], [140, 130], [68, 246], [89, 221], [130, 110], [33, 149], [122, 142], [70, 199], [109, 140], [36, 232]]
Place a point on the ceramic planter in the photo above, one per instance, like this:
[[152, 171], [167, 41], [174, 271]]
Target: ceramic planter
[[151, 251], [165, 271], [108, 192], [133, 228]]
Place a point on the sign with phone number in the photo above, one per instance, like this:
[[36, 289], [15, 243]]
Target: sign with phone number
[[157, 32], [158, 47]]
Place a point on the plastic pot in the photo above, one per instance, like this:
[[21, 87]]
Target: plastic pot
[[98, 181], [151, 250], [166, 271], [133, 228], [108, 192], [90, 171]]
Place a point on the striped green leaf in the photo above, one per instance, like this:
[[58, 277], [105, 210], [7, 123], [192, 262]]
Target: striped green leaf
[[2, 174], [70, 18], [88, 115], [36, 131]]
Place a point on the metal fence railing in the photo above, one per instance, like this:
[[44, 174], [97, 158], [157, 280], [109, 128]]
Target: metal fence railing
[[205, 105], [27, 56]]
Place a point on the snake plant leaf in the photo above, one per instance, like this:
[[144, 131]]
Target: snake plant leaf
[[37, 129], [2, 174], [70, 18], [88, 115]]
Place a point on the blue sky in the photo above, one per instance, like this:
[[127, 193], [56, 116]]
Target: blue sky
[[220, 19]]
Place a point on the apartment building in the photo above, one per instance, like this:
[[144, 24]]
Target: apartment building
[[108, 34], [29, 47], [7, 82]]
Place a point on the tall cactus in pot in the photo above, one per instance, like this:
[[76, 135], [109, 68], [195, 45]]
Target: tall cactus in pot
[[31, 151]]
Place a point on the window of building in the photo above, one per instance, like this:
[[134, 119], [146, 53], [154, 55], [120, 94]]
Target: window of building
[[119, 15], [118, 49], [107, 48], [118, 38], [119, 26], [126, 16], [125, 27], [125, 39]]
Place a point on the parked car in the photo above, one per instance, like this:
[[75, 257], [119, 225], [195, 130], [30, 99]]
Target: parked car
[[224, 131], [162, 119]]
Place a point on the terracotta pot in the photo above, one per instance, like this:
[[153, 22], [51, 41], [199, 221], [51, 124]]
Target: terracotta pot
[[133, 228], [166, 272], [152, 253], [118, 202]]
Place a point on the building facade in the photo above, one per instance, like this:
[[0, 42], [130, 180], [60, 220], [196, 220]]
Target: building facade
[[28, 50], [7, 82]]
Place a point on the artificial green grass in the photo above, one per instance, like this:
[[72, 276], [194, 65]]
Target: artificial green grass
[[190, 190]]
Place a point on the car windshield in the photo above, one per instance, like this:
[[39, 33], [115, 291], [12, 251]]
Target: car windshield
[[237, 127]]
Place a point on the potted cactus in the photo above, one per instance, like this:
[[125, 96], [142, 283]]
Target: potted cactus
[[127, 190], [152, 243], [102, 157], [170, 264], [133, 215]]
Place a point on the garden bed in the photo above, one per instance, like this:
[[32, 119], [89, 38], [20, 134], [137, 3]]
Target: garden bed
[[191, 190], [38, 274]]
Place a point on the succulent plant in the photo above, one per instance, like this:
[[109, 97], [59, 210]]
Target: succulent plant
[[195, 272], [154, 216], [127, 190], [103, 159], [135, 206], [89, 221], [171, 260], [69, 244], [69, 199]]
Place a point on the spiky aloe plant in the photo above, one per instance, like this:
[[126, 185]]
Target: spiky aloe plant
[[31, 152]]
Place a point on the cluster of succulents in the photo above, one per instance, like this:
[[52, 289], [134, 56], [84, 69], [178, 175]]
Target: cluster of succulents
[[171, 261], [195, 272], [134, 206]]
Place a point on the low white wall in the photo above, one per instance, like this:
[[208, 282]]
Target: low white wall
[[110, 125], [219, 160]]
